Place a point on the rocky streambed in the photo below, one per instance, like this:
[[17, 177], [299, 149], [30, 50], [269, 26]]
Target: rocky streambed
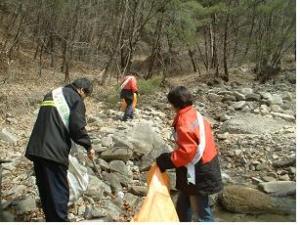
[[256, 134]]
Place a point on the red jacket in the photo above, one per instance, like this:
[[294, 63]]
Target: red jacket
[[129, 83], [188, 138]]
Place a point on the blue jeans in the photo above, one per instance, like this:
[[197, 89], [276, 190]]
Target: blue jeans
[[129, 109], [197, 204]]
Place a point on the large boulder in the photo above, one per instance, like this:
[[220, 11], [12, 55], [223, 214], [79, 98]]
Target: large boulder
[[117, 154], [147, 144], [97, 188], [251, 124], [242, 199], [279, 188]]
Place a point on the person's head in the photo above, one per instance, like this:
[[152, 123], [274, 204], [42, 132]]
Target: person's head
[[83, 86], [132, 74], [180, 97]]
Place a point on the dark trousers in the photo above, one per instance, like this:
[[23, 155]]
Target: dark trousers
[[128, 97], [197, 204], [129, 109], [52, 182]]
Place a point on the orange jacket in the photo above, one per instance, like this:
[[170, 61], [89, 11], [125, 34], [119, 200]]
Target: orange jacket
[[188, 138], [129, 83]]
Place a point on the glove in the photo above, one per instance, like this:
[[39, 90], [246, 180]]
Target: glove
[[164, 162]]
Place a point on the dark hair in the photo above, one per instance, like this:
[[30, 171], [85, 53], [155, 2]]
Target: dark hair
[[132, 73], [180, 97], [85, 84]]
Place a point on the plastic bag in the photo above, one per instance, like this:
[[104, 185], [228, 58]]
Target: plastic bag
[[123, 104], [78, 179], [158, 205]]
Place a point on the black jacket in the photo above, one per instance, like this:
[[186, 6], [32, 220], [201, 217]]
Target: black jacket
[[208, 176], [50, 139]]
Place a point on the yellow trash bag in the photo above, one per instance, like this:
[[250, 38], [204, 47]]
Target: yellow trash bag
[[158, 205], [123, 104]]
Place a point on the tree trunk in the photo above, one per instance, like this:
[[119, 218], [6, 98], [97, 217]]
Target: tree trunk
[[191, 54], [226, 75], [156, 46], [116, 44]]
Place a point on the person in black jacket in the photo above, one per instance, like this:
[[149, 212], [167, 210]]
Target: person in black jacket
[[61, 120]]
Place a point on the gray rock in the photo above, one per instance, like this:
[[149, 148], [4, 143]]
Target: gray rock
[[229, 98], [246, 91], [103, 164], [242, 199], [239, 105], [26, 205], [131, 199], [275, 100], [239, 96], [139, 190], [92, 212], [279, 188], [107, 141], [265, 95], [7, 136], [117, 154], [113, 180], [214, 97], [121, 142], [113, 210], [99, 148], [268, 179], [284, 162], [251, 124], [286, 117], [284, 177], [253, 97], [8, 217], [287, 96], [224, 117], [292, 170], [96, 188], [118, 166], [276, 108], [264, 109]]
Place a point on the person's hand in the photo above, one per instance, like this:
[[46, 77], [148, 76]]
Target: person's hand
[[91, 154], [164, 162]]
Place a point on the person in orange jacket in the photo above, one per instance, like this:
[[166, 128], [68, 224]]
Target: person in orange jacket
[[128, 88], [195, 158]]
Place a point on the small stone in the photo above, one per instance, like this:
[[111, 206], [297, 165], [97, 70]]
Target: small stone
[[268, 178], [292, 170], [256, 111], [275, 100], [26, 205], [253, 97], [239, 96], [214, 97], [246, 91], [276, 108], [107, 141], [239, 105], [7, 136], [284, 177], [238, 152], [286, 117], [224, 117], [264, 109]]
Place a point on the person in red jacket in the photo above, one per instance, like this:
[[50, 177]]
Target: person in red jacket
[[195, 158], [128, 88]]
